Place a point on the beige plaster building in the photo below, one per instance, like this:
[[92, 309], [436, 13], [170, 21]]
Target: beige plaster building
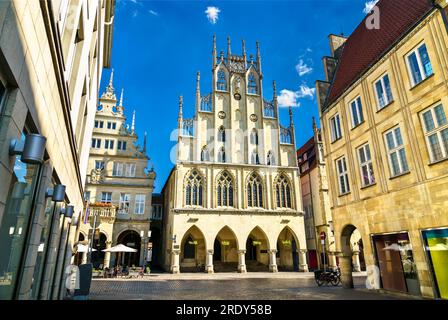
[[232, 201], [385, 131], [51, 59], [119, 186]]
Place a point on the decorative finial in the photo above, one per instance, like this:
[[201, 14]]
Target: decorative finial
[[144, 143], [133, 122], [251, 57], [228, 48], [314, 125], [274, 88], [181, 102], [221, 56], [121, 98], [198, 78], [244, 48], [111, 80]]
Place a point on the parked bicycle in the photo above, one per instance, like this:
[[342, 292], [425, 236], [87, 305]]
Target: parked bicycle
[[327, 277]]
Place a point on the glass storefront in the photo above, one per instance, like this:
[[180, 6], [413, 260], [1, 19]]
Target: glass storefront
[[42, 249], [436, 247], [396, 263], [14, 224]]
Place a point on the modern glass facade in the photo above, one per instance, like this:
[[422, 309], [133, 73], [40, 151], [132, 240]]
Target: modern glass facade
[[14, 224], [436, 247]]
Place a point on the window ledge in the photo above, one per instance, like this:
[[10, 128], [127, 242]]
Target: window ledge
[[424, 80], [358, 125], [437, 161], [385, 106], [252, 94], [344, 194], [334, 141], [400, 175], [368, 186]]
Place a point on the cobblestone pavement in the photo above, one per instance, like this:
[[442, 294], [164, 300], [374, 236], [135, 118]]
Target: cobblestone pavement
[[269, 288]]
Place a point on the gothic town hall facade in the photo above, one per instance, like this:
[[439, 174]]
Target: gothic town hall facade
[[232, 201]]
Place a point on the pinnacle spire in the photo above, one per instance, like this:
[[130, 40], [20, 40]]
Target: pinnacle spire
[[144, 143], [244, 48], [214, 51], [258, 57], [228, 48], [133, 122], [111, 80], [110, 90], [291, 122], [274, 88], [121, 98], [314, 125], [198, 90]]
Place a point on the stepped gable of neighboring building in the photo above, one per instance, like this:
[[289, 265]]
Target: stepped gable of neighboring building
[[366, 46]]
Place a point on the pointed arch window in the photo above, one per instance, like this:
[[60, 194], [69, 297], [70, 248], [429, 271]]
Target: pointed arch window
[[270, 159], [224, 190], [221, 83], [254, 137], [222, 134], [254, 191], [283, 192], [205, 155], [255, 159], [222, 155], [252, 84], [194, 186]]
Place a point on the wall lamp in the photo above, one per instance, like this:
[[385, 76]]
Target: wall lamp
[[57, 194], [31, 150], [68, 211]]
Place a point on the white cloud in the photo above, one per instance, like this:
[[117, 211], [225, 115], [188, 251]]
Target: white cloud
[[302, 68], [369, 6], [288, 98], [134, 13], [212, 14], [305, 91], [154, 13]]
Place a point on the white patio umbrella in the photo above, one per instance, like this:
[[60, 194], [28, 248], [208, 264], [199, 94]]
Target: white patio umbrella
[[120, 248], [84, 248]]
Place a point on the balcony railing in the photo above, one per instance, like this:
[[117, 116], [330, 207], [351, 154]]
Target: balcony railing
[[102, 212]]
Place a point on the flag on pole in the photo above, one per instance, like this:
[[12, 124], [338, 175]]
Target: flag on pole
[[86, 216]]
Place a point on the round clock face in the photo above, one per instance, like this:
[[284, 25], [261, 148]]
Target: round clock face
[[253, 117], [237, 96], [221, 114]]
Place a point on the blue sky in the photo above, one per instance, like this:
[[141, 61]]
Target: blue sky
[[159, 46]]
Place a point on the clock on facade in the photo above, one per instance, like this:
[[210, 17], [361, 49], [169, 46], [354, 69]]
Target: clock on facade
[[253, 117], [221, 115]]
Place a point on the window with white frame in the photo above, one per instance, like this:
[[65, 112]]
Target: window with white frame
[[139, 204], [341, 168], [108, 144], [121, 145], [96, 143], [356, 111], [117, 169], [383, 92], [125, 201], [419, 64], [366, 166], [335, 126], [435, 128], [106, 197], [129, 170], [99, 165], [396, 152]]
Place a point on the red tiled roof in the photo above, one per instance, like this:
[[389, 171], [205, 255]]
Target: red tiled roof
[[365, 47]]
